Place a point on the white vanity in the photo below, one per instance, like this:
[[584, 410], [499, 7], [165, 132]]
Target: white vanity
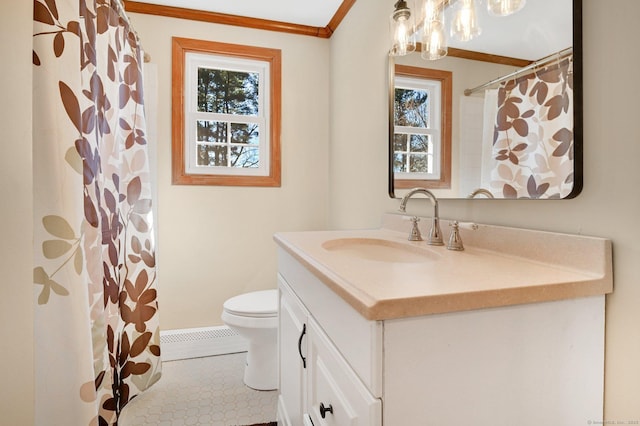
[[377, 330]]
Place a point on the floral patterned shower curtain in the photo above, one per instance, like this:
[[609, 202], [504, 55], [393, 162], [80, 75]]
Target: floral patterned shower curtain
[[533, 135], [96, 321]]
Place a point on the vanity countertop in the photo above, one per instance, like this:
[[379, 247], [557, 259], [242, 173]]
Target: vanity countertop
[[500, 266]]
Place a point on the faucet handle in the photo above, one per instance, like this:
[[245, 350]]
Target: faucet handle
[[415, 231], [435, 233], [455, 241]]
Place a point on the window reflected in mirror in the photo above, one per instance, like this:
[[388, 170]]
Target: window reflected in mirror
[[422, 128]]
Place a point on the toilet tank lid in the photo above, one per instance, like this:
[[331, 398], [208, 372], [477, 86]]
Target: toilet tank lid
[[262, 303]]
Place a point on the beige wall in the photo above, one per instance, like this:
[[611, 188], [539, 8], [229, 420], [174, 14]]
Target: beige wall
[[355, 191], [16, 227], [216, 242], [608, 206]]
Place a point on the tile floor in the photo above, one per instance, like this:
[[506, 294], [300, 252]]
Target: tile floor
[[201, 391]]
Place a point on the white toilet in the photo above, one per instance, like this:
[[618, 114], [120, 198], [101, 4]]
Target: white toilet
[[254, 316]]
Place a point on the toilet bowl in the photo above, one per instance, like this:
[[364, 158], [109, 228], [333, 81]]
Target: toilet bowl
[[254, 316]]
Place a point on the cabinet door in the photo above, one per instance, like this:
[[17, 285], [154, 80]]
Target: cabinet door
[[336, 396], [292, 344]]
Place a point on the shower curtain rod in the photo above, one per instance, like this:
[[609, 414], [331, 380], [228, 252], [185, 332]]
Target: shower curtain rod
[[544, 61]]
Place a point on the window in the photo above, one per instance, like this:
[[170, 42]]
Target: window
[[422, 128], [226, 114]]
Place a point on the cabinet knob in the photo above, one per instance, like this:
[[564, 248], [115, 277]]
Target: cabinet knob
[[324, 410]]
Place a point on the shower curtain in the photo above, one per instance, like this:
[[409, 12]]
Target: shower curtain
[[488, 162], [96, 321], [533, 134]]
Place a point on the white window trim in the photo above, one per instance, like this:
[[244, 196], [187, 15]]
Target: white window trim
[[434, 87], [193, 61]]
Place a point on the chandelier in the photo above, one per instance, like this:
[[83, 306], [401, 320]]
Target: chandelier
[[427, 24]]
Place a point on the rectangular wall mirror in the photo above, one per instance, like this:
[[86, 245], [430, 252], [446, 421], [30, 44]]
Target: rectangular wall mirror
[[500, 115]]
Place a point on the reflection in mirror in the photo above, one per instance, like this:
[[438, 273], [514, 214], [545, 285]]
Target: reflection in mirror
[[514, 123], [422, 127]]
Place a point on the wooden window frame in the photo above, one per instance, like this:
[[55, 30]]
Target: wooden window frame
[[182, 46], [446, 81]]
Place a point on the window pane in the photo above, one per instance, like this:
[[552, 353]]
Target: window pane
[[212, 131], [399, 162], [245, 133], [227, 92], [242, 156], [419, 163], [212, 155], [411, 108], [419, 143], [399, 142]]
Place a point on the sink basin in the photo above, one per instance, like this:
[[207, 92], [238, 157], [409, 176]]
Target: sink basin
[[380, 250]]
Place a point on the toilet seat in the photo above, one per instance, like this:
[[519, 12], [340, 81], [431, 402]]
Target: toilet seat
[[257, 304], [249, 322]]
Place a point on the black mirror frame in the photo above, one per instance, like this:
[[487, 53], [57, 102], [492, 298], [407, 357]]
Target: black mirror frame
[[578, 141]]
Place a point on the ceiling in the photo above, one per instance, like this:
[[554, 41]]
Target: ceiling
[[543, 27], [315, 13]]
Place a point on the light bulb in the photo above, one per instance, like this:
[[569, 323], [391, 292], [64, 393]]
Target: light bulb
[[401, 24], [402, 37], [465, 23], [504, 7], [430, 12], [434, 44]]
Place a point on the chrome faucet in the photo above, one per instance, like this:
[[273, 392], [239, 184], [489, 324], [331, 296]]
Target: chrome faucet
[[435, 234], [481, 191]]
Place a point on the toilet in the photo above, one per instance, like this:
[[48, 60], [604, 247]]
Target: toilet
[[254, 316]]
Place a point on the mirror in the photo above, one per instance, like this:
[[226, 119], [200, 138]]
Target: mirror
[[517, 132]]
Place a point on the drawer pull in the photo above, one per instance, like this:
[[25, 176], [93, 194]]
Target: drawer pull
[[304, 360], [324, 410]]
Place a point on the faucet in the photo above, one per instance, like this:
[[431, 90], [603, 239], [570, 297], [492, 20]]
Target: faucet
[[435, 234], [481, 191]]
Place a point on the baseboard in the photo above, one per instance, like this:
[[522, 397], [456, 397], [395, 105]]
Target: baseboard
[[199, 342]]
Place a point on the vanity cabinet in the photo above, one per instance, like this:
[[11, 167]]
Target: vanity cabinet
[[525, 364], [318, 386]]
